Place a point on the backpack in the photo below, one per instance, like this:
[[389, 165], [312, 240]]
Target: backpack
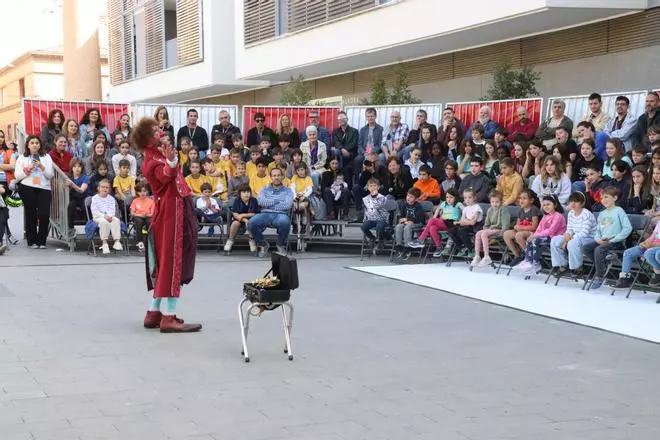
[[317, 207]]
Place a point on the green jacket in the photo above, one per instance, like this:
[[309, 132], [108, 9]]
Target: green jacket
[[498, 218]]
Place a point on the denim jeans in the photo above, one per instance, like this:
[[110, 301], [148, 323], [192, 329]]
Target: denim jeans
[[574, 248], [280, 221], [598, 252], [651, 255], [535, 248], [368, 225]]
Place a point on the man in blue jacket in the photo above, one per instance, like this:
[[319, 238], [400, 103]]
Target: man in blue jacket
[[275, 202]]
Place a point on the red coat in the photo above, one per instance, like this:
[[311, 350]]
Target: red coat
[[63, 161], [167, 268]]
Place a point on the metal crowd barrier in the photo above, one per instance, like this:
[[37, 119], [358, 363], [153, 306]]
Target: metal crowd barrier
[[59, 217]]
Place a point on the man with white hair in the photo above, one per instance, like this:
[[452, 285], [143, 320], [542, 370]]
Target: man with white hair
[[484, 120], [225, 126], [395, 136]]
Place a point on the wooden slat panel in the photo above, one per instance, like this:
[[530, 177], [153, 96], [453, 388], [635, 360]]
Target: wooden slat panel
[[482, 59], [259, 21], [568, 44], [116, 59], [634, 31], [127, 45], [189, 31], [154, 23], [115, 9]]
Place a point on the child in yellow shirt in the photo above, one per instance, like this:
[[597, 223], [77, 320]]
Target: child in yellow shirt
[[261, 179], [217, 180], [302, 186], [124, 186], [196, 178], [251, 166]]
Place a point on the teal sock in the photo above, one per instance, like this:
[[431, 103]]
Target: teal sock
[[170, 308], [155, 305]]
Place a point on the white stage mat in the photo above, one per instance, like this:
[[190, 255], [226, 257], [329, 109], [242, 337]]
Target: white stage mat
[[638, 316]]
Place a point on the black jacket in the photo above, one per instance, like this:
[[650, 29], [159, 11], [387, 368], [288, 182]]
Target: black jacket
[[346, 139], [254, 139], [414, 213], [481, 184], [413, 137], [643, 124], [198, 136], [397, 186], [229, 131], [380, 173]]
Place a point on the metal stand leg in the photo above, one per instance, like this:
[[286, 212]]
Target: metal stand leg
[[245, 327], [287, 323], [244, 315]]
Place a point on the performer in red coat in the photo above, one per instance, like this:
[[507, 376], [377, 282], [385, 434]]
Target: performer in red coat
[[172, 237]]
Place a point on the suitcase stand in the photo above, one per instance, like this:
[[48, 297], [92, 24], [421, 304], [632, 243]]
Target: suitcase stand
[[255, 309]]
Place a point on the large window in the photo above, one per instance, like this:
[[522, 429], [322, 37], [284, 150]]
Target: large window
[[148, 36], [264, 19]]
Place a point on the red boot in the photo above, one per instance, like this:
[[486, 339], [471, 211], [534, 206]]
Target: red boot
[[172, 324], [152, 319]]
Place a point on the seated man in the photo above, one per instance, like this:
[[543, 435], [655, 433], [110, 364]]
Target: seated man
[[275, 202]]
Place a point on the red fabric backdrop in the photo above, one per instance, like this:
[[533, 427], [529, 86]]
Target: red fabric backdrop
[[36, 111], [503, 112], [298, 116]]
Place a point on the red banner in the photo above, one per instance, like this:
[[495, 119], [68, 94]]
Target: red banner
[[503, 112], [35, 112], [298, 115]]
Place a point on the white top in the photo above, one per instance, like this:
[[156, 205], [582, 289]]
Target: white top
[[201, 205], [469, 212], [115, 164], [102, 206], [36, 178]]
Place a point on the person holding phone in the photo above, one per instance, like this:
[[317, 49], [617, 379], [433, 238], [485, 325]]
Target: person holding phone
[[34, 170]]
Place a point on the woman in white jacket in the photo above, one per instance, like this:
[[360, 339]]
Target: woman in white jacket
[[552, 181], [34, 170], [315, 154]]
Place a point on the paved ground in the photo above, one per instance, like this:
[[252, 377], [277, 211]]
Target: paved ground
[[375, 359]]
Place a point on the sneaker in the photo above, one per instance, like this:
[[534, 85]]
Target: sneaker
[[624, 282], [263, 250], [42, 246], [655, 280], [485, 262], [471, 254], [281, 249], [446, 251], [253, 245], [531, 269], [3, 249], [438, 253], [228, 245], [12, 241], [117, 246], [523, 265], [596, 283], [416, 244], [560, 271], [515, 261], [34, 246], [475, 261], [405, 255], [105, 249], [462, 253], [140, 246]]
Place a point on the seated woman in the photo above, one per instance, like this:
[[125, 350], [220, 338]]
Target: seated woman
[[398, 180], [334, 189], [314, 154]]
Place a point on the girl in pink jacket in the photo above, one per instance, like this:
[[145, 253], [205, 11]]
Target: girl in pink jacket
[[551, 225]]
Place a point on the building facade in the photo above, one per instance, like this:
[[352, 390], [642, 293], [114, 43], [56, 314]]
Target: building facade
[[448, 51]]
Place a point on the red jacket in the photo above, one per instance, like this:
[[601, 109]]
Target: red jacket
[[63, 161], [169, 191], [528, 130]]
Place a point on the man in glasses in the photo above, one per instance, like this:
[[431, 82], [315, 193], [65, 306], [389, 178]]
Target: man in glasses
[[225, 126], [623, 125], [323, 134], [260, 130], [524, 128]]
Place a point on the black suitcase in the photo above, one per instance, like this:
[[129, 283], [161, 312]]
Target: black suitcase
[[285, 268]]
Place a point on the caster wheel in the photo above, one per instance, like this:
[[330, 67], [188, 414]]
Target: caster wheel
[[247, 360], [290, 357]]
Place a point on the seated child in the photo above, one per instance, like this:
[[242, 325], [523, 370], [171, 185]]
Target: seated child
[[215, 178], [196, 179], [375, 214], [142, 210], [428, 186], [411, 220], [261, 178], [497, 221], [414, 162], [237, 181], [302, 186], [243, 208], [510, 183], [124, 186], [551, 225], [471, 218], [612, 229], [595, 183], [639, 197], [104, 213], [526, 224], [207, 207], [78, 184], [4, 220], [124, 154], [452, 179], [580, 231], [444, 218], [650, 250]]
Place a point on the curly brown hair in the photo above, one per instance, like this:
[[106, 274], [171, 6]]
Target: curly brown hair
[[143, 133]]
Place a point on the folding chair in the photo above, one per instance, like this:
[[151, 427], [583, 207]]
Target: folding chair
[[92, 230], [218, 223]]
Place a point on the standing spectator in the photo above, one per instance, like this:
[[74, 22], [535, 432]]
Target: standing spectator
[[546, 131], [421, 120], [622, 126], [59, 155], [486, 122], [197, 135], [524, 128], [650, 118], [597, 115], [395, 137], [275, 202], [225, 126], [73, 145], [124, 129], [448, 122], [90, 123], [345, 140], [315, 154], [286, 131], [8, 156], [34, 169], [52, 128], [162, 117], [259, 131], [323, 134], [370, 139]]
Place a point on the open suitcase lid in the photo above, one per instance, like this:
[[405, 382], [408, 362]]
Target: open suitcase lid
[[286, 269]]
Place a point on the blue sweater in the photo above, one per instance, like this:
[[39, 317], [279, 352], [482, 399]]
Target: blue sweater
[[613, 225], [276, 200]]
